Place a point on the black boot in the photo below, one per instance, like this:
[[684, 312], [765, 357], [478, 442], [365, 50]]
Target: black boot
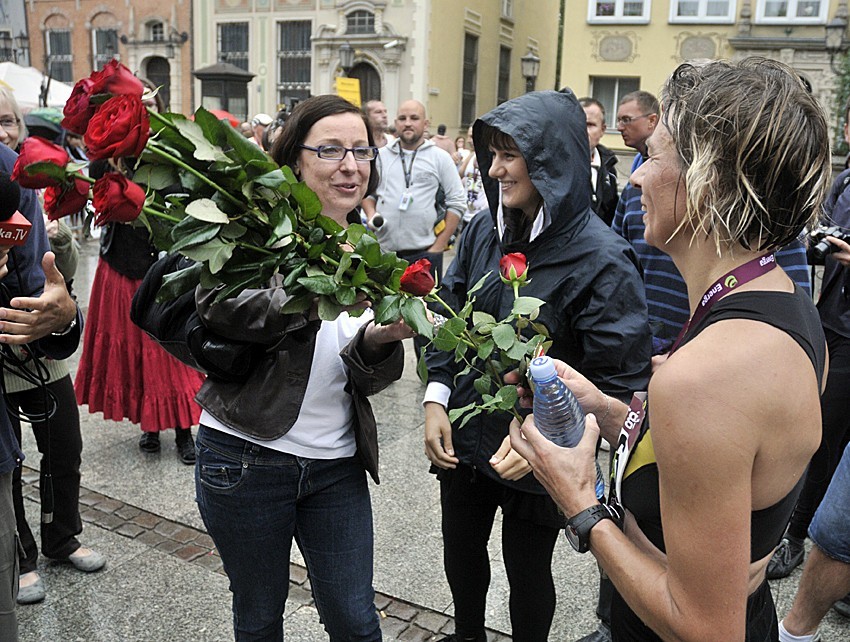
[[185, 445]]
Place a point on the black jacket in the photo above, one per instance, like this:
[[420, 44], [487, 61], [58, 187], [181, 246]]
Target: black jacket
[[604, 199], [595, 307], [834, 301]]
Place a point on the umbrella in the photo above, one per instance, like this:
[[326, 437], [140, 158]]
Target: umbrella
[[38, 125], [26, 82], [221, 114]]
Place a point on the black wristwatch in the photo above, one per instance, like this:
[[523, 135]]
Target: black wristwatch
[[579, 526]]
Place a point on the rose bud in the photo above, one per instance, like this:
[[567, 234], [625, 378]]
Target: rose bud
[[417, 279], [67, 199], [116, 79], [78, 108], [120, 127], [38, 150], [513, 268], [116, 199]]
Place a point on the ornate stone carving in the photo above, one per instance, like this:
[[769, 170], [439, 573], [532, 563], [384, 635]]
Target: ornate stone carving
[[615, 47]]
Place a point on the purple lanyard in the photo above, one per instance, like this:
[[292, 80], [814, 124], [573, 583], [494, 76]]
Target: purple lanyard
[[725, 284]]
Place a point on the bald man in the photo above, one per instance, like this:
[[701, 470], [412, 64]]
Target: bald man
[[403, 209]]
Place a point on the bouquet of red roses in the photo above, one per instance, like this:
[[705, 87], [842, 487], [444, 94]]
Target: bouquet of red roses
[[205, 191]]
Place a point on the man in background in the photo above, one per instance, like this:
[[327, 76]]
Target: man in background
[[376, 114], [603, 175]]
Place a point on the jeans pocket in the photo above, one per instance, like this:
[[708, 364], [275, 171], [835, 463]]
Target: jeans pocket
[[218, 471]]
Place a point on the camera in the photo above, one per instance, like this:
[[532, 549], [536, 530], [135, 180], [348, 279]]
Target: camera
[[819, 248]]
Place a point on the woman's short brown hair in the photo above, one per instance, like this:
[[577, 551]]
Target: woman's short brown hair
[[754, 149], [287, 146]]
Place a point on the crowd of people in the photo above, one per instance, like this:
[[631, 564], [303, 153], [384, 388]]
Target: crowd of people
[[663, 304]]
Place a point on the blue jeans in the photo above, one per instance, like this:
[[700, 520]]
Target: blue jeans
[[830, 528], [255, 500]]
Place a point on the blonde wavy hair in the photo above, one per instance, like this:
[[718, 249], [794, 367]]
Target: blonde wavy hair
[[754, 149]]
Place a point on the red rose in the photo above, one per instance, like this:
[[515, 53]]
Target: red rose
[[120, 127], [417, 279], [78, 109], [117, 80], [67, 199], [116, 199], [38, 150], [513, 267]]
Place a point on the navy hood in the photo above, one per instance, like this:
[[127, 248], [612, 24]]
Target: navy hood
[[550, 130]]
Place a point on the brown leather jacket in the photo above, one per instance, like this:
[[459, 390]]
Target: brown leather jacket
[[268, 403]]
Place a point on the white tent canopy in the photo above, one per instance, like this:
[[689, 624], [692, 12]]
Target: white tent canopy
[[25, 82]]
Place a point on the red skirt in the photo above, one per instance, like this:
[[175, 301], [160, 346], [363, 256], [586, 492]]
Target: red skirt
[[123, 373]]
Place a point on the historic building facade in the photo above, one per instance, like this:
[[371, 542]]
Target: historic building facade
[[460, 58], [70, 38], [613, 47]]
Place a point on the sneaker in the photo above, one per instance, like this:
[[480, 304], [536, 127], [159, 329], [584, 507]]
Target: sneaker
[[787, 556], [601, 634], [842, 606]]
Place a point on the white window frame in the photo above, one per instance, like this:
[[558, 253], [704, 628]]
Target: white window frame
[[701, 17], [508, 9], [618, 17], [792, 18]]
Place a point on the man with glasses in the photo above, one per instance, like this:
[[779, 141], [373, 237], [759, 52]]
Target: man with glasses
[[403, 208], [637, 116]]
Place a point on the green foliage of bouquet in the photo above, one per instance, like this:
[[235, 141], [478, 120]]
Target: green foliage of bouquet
[[206, 192]]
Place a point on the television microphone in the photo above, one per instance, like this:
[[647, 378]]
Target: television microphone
[[14, 227]]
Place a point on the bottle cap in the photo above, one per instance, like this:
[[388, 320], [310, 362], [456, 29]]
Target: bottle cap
[[542, 369]]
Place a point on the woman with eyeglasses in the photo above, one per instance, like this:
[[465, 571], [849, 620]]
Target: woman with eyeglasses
[[284, 456], [738, 165], [13, 130]]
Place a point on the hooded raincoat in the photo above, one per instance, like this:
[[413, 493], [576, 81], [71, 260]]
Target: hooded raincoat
[[588, 276]]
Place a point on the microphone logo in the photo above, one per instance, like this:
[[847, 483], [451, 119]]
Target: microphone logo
[[14, 230]]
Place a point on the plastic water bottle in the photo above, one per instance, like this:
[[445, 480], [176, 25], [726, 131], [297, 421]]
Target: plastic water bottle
[[557, 413]]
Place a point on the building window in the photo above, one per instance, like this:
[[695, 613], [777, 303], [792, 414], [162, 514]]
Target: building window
[[633, 11], [156, 32], [711, 11], [105, 46], [233, 43], [508, 9], [609, 91], [7, 52], [504, 87], [295, 59], [360, 22], [59, 56], [794, 11], [470, 79]]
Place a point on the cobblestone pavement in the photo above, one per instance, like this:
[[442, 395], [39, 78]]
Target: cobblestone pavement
[[399, 620]]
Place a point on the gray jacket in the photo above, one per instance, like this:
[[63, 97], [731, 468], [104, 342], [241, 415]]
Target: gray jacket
[[267, 405]]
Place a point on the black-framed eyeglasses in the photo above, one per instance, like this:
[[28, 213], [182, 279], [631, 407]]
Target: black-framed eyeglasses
[[9, 123], [338, 152], [628, 120]]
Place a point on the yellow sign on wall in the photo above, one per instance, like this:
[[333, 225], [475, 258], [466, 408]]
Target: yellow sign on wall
[[349, 88]]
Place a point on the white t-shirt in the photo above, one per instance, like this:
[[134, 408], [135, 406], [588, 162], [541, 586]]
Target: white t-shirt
[[323, 429]]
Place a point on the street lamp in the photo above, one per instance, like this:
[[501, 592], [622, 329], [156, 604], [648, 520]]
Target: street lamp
[[835, 30], [530, 69], [22, 45], [346, 57]]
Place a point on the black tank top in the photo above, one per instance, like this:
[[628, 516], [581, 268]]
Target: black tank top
[[794, 314]]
